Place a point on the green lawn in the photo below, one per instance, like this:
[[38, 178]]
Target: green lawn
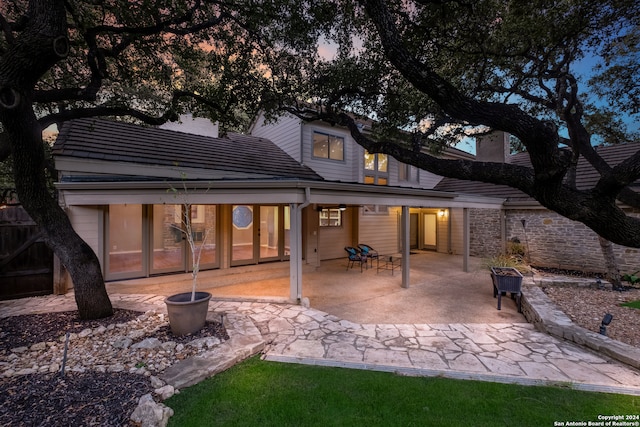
[[259, 393], [632, 304]]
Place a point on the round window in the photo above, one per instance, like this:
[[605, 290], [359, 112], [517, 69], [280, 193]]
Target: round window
[[242, 217]]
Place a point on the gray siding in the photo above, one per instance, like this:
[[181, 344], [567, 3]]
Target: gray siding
[[333, 170], [285, 133], [380, 231], [456, 218], [332, 240], [87, 221]]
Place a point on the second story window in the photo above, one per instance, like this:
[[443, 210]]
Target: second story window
[[328, 146], [375, 168]]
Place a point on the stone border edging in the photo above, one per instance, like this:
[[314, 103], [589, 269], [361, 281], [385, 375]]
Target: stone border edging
[[541, 312], [456, 375], [244, 341]]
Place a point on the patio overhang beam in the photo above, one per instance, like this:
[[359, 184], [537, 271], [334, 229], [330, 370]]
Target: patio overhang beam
[[264, 192]]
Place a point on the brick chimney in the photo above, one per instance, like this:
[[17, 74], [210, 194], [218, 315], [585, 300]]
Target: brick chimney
[[493, 147]]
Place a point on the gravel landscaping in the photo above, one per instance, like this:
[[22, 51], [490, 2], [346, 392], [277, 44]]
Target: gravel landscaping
[[587, 306], [109, 365]]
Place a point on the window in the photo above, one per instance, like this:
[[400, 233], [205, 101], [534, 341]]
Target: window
[[375, 168], [328, 146], [407, 173], [330, 218]]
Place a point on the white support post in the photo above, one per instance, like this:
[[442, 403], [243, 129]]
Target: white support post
[[465, 240], [406, 251], [295, 256]]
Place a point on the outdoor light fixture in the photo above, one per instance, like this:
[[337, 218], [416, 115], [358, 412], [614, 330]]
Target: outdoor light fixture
[[441, 213], [605, 322], [342, 207]]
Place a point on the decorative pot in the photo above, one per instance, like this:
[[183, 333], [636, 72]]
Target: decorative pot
[[507, 279], [186, 316]]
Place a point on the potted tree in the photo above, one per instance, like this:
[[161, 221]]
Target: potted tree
[[188, 310]]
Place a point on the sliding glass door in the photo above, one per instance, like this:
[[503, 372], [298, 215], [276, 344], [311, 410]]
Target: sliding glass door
[[124, 243], [168, 243], [266, 241], [143, 240]]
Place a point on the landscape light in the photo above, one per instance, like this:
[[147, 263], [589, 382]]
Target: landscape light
[[605, 322]]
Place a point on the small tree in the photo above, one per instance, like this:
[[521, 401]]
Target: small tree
[[186, 228], [196, 249]]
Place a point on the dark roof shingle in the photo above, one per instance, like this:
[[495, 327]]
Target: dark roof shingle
[[124, 142], [586, 175]]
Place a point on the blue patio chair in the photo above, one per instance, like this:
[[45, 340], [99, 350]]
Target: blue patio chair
[[354, 255], [369, 252]]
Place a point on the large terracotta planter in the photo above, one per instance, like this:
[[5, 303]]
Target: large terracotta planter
[[507, 279], [186, 316]]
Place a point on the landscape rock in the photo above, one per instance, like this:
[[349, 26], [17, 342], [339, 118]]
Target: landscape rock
[[149, 413]]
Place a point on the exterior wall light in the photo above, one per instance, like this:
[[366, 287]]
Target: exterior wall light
[[342, 207], [441, 213]]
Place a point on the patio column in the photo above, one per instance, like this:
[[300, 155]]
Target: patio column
[[406, 251], [295, 255], [465, 240]]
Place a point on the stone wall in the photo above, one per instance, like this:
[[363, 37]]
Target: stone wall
[[485, 235], [555, 241]]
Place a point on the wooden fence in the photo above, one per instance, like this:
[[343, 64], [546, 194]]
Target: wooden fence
[[26, 262]]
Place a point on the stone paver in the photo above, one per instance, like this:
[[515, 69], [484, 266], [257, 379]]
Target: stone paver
[[510, 353]]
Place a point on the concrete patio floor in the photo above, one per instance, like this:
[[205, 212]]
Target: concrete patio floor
[[439, 291]]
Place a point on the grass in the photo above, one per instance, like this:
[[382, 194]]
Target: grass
[[632, 304], [506, 261], [260, 393]]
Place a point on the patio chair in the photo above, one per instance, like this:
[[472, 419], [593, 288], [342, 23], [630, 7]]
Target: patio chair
[[355, 255], [369, 252]]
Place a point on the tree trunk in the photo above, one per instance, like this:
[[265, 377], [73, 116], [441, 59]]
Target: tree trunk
[[78, 257], [613, 272], [41, 44]]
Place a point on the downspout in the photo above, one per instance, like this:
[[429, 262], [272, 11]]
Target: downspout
[[307, 198]]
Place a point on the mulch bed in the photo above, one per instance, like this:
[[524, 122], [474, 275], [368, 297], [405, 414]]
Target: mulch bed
[[75, 399]]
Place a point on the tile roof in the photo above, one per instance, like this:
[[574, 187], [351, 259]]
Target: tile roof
[[586, 175], [100, 139]]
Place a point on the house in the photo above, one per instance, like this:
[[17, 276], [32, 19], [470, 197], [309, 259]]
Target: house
[[550, 239], [299, 194], [332, 153]]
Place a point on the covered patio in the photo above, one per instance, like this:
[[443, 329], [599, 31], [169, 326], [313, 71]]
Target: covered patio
[[440, 292]]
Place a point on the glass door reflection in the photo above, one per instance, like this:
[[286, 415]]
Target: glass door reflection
[[124, 242], [242, 235]]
